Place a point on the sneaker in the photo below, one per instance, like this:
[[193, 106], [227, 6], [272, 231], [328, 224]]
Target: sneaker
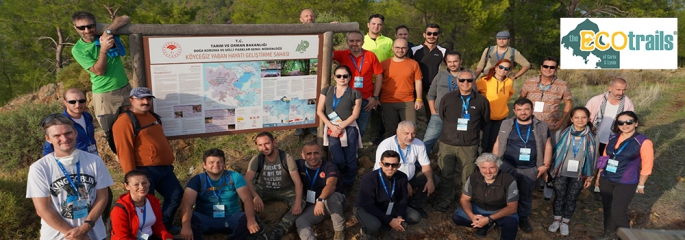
[[564, 229], [524, 224], [277, 234], [554, 227], [442, 207], [339, 235], [482, 232]]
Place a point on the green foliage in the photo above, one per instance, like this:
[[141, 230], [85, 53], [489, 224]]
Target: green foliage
[[17, 215], [22, 135], [74, 76]]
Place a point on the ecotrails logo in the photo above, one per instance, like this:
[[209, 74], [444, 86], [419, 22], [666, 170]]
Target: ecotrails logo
[[302, 46], [619, 43]]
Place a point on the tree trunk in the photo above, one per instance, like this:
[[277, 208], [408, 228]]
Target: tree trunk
[[571, 8], [58, 50]]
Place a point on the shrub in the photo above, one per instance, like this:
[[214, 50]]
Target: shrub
[[17, 215], [74, 76], [22, 136]]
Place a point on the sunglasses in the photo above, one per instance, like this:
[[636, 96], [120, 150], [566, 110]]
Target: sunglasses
[[621, 123], [550, 67], [432, 33], [72, 102], [342, 75], [89, 26], [466, 79], [503, 67], [391, 165], [51, 117]]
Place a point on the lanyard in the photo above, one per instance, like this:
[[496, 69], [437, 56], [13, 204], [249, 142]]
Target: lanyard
[[498, 56], [386, 187], [576, 148], [336, 99], [545, 88], [399, 149], [518, 129], [142, 223], [310, 177], [209, 181], [354, 62], [66, 174], [465, 104], [621, 149]]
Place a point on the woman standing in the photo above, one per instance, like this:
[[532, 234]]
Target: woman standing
[[573, 165], [498, 89], [137, 214], [338, 107], [628, 162]]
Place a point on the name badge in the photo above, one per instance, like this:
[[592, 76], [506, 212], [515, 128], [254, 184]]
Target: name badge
[[143, 236], [389, 211], [462, 124], [93, 149], [311, 196], [524, 154], [333, 116], [572, 166], [358, 82], [612, 165], [467, 116], [80, 208], [539, 107], [218, 211]]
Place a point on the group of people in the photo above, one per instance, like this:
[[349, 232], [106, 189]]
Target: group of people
[[496, 166]]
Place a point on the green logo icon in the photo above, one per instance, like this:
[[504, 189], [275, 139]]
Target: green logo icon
[[302, 47]]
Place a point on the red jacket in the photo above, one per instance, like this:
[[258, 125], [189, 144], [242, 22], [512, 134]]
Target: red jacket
[[125, 223]]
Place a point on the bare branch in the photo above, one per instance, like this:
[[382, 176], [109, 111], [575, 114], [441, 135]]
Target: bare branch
[[48, 38]]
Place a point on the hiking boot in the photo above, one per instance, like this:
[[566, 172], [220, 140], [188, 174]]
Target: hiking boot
[[442, 207], [555, 226], [277, 234], [339, 235], [482, 232], [524, 224], [564, 229]]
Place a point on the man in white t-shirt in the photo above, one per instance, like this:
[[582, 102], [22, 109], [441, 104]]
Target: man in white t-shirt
[[412, 155], [604, 108], [69, 207]]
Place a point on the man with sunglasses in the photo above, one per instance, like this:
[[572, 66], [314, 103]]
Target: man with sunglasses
[[547, 92], [492, 55], [429, 55], [150, 151], [109, 81], [401, 80], [383, 198], [464, 113], [68, 187]]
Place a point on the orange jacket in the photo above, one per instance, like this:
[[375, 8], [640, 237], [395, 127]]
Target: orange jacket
[[125, 222]]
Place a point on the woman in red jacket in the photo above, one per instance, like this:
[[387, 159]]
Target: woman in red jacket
[[137, 214]]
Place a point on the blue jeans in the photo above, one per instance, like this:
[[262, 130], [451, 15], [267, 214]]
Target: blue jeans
[[345, 158], [235, 224], [509, 223], [168, 187], [433, 130], [363, 119]]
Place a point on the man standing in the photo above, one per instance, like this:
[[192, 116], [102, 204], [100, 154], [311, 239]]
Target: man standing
[[489, 198], [402, 32], [492, 55], [307, 16], [107, 74], [525, 147], [443, 83], [365, 68], [547, 92], [464, 113], [401, 79], [69, 187], [215, 194], [412, 155], [429, 55], [320, 179], [604, 108], [277, 179], [148, 150], [375, 41]]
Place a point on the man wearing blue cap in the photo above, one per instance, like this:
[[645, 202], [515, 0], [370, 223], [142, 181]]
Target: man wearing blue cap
[[492, 55]]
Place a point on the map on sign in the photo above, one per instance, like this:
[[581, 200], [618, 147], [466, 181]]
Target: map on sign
[[277, 112], [232, 85], [609, 58]]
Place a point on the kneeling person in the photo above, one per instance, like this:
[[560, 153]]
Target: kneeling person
[[489, 198], [320, 179], [215, 194]]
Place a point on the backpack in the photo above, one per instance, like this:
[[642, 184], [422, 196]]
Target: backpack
[[260, 162], [136, 127], [203, 181], [513, 55]]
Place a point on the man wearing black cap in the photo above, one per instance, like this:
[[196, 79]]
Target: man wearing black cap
[[492, 55]]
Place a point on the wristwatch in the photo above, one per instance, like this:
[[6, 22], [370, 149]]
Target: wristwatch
[[489, 220], [376, 97], [320, 200], [90, 223], [108, 32]]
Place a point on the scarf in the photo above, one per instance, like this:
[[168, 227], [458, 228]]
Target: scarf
[[600, 116], [565, 142]]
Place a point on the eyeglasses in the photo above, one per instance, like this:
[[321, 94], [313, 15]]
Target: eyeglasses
[[391, 165], [432, 33], [72, 102], [466, 79], [503, 67], [621, 123], [550, 67], [342, 75], [89, 26]]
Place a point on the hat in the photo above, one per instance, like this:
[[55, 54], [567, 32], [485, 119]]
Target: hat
[[141, 92], [502, 34]]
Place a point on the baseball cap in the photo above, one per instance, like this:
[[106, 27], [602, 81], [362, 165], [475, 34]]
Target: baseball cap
[[141, 92], [502, 34]]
